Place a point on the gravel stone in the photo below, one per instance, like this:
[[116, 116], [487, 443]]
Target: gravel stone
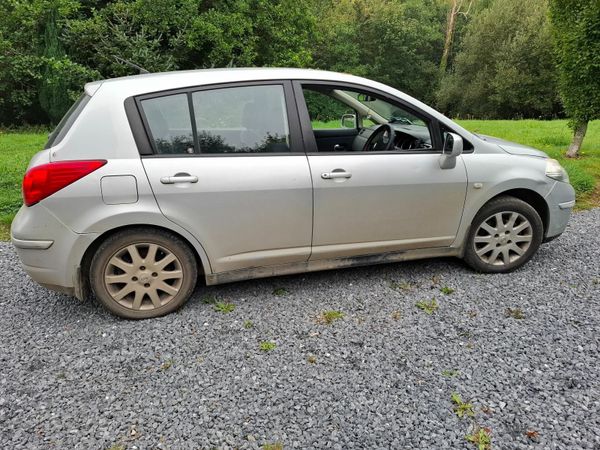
[[73, 376]]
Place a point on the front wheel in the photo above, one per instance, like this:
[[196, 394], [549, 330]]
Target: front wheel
[[504, 235], [143, 273]]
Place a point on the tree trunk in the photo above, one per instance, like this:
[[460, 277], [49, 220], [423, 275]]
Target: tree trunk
[[579, 129], [450, 26]]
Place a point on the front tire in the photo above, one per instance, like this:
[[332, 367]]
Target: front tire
[[504, 235], [143, 273]]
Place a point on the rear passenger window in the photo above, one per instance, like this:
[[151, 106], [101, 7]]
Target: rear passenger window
[[250, 119], [170, 125]]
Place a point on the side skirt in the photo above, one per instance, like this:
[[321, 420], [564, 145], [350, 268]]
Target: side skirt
[[327, 264]]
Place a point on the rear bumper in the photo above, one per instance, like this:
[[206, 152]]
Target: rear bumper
[[561, 201], [50, 252]]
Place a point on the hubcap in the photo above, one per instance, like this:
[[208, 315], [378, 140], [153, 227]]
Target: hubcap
[[503, 238], [143, 276]]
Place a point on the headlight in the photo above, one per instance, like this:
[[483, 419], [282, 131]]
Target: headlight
[[555, 171]]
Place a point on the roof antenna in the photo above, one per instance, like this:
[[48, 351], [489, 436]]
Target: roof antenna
[[130, 64]]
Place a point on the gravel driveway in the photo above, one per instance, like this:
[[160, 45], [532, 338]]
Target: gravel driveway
[[521, 348]]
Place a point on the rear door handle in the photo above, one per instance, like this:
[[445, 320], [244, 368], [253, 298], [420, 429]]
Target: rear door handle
[[333, 175], [179, 178]]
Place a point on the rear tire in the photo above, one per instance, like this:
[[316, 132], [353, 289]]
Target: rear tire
[[143, 273], [504, 235]]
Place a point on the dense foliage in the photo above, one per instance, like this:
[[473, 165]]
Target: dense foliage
[[501, 63], [505, 65], [395, 42], [38, 80], [576, 33], [50, 48]]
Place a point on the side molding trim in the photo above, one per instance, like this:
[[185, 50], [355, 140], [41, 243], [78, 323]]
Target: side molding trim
[[328, 264]]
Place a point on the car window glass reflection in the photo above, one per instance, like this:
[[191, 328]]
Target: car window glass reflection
[[248, 119], [170, 124]]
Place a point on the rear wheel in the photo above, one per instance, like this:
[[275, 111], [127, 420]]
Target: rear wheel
[[504, 235], [143, 273]]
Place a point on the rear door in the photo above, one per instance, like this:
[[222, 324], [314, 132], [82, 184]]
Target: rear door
[[228, 165]]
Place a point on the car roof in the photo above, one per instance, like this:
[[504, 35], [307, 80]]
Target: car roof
[[152, 82], [116, 90]]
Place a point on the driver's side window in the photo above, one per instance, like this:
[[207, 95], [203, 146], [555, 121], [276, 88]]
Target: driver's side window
[[327, 112], [344, 120]]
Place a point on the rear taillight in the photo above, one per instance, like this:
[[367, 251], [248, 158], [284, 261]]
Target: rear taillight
[[44, 180]]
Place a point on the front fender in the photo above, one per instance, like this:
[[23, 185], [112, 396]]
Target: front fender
[[509, 172]]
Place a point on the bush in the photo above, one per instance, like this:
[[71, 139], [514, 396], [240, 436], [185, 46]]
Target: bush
[[504, 68]]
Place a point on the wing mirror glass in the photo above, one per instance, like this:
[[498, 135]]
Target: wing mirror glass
[[453, 146], [349, 121], [364, 98]]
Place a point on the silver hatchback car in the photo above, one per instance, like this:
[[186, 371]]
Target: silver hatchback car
[[150, 181]]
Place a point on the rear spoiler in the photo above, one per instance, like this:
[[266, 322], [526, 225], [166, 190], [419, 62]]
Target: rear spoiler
[[91, 88]]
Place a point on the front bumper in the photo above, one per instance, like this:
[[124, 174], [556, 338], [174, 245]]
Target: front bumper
[[560, 200], [50, 252]]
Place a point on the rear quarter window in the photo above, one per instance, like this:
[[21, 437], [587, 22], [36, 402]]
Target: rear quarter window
[[170, 124], [67, 121]]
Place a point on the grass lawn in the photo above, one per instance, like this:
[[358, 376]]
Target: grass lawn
[[551, 136], [16, 149]]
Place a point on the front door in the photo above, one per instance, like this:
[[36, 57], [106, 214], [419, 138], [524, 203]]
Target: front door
[[371, 200], [229, 167]]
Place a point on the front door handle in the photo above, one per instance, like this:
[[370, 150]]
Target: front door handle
[[333, 175], [179, 178]]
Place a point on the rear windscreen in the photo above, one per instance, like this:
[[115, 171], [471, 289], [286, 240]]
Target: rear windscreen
[[63, 126]]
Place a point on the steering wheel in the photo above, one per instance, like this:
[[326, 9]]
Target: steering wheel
[[377, 141]]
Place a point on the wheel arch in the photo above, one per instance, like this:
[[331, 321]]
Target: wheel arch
[[531, 197], [524, 192], [84, 269]]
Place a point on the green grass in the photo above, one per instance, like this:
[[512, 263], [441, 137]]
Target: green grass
[[328, 317], [462, 408], [16, 149], [224, 307], [429, 306], [553, 137], [446, 290], [267, 346], [280, 292]]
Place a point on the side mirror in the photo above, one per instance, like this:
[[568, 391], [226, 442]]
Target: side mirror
[[364, 98], [453, 146], [349, 121]]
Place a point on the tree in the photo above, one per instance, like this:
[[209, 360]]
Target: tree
[[164, 35], [576, 37], [50, 48], [146, 34], [38, 81], [53, 88], [456, 9], [252, 32], [395, 42], [504, 67]]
